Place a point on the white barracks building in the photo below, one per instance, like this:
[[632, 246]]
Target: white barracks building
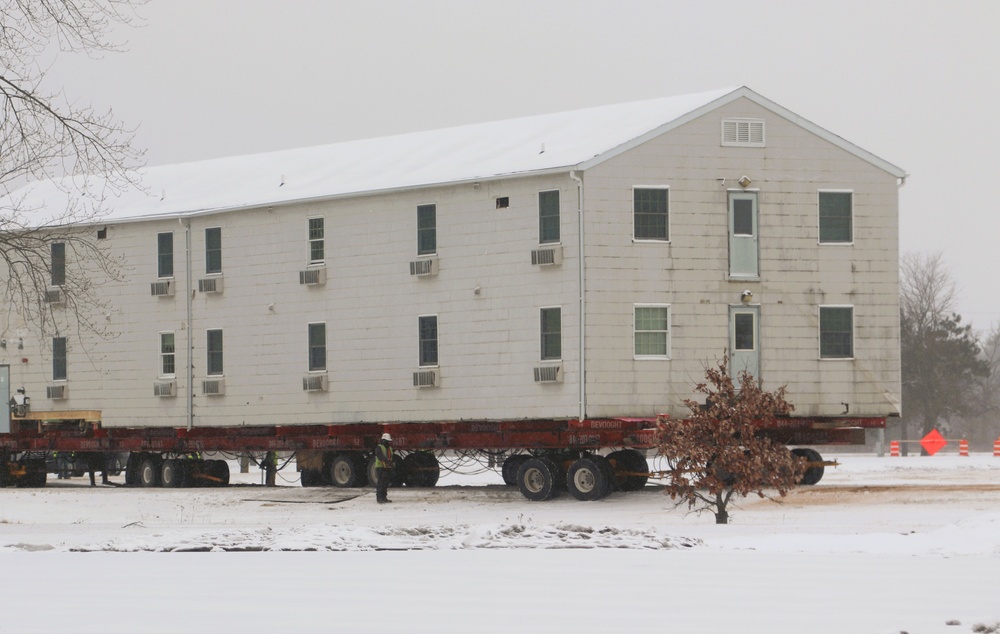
[[581, 264]]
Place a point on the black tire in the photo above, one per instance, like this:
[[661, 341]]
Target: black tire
[[148, 471], [370, 471], [609, 474], [510, 467], [171, 473], [344, 471], [421, 469], [132, 470], [631, 469], [813, 473], [310, 478], [536, 479], [219, 469], [587, 480]]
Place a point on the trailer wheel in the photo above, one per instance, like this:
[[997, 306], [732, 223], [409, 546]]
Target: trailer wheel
[[310, 477], [395, 477], [421, 469], [148, 472], [510, 467], [218, 469], [344, 471], [814, 473], [587, 480], [536, 479], [171, 473], [632, 463]]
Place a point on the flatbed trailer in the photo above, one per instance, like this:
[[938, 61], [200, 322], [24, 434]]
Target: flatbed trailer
[[591, 457]]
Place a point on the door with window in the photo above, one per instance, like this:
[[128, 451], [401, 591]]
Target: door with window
[[743, 260], [744, 340]]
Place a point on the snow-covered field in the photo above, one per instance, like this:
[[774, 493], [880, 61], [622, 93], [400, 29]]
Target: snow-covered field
[[881, 545]]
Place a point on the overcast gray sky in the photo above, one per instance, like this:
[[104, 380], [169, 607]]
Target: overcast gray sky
[[914, 81]]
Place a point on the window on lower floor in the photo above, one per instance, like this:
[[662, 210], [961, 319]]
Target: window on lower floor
[[428, 338], [836, 217], [59, 358], [652, 331], [168, 365], [551, 333], [651, 215], [836, 332], [317, 347], [213, 364]]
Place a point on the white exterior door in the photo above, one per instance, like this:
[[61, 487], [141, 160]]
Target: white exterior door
[[743, 260], [744, 340]]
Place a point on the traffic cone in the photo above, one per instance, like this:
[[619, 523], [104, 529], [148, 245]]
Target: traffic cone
[[963, 448], [894, 448]]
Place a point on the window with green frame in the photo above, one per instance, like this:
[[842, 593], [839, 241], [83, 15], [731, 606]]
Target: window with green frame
[[836, 332], [836, 217], [651, 213], [652, 331]]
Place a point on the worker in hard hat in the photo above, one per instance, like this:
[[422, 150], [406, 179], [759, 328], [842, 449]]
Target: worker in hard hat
[[383, 468]]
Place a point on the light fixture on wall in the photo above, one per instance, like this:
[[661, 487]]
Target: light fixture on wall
[[20, 343], [746, 297], [744, 181]]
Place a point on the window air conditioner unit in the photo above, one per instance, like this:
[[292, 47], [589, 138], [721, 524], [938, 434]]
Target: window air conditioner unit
[[213, 387], [55, 392], [210, 285], [425, 378], [165, 388], [163, 288], [548, 374], [312, 277], [547, 256], [55, 296], [314, 383], [424, 267]]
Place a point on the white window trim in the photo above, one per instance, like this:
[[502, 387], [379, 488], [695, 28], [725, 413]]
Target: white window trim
[[670, 327], [159, 340], [538, 202], [670, 233], [310, 240], [738, 121], [853, 226], [539, 322], [416, 232], [438, 321], [819, 333]]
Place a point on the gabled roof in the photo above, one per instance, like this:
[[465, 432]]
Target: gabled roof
[[540, 144]]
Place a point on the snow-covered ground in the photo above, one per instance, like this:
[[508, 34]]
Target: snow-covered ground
[[880, 545]]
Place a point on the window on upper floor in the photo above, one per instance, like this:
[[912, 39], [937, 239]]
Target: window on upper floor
[[213, 250], [651, 213], [168, 363], [59, 357], [836, 332], [836, 217], [551, 333], [426, 229], [548, 217], [58, 263], [213, 345], [317, 251], [165, 254], [317, 347], [743, 132], [428, 339], [652, 331]]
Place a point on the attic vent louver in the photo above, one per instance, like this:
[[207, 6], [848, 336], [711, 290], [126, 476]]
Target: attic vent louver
[[743, 132]]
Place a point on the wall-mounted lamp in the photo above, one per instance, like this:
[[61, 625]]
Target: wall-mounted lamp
[[744, 181], [20, 343], [746, 297]]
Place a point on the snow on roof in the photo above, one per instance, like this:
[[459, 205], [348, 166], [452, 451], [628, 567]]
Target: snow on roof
[[536, 144]]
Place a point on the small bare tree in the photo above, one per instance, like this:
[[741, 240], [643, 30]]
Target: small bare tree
[[79, 157], [717, 453]]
